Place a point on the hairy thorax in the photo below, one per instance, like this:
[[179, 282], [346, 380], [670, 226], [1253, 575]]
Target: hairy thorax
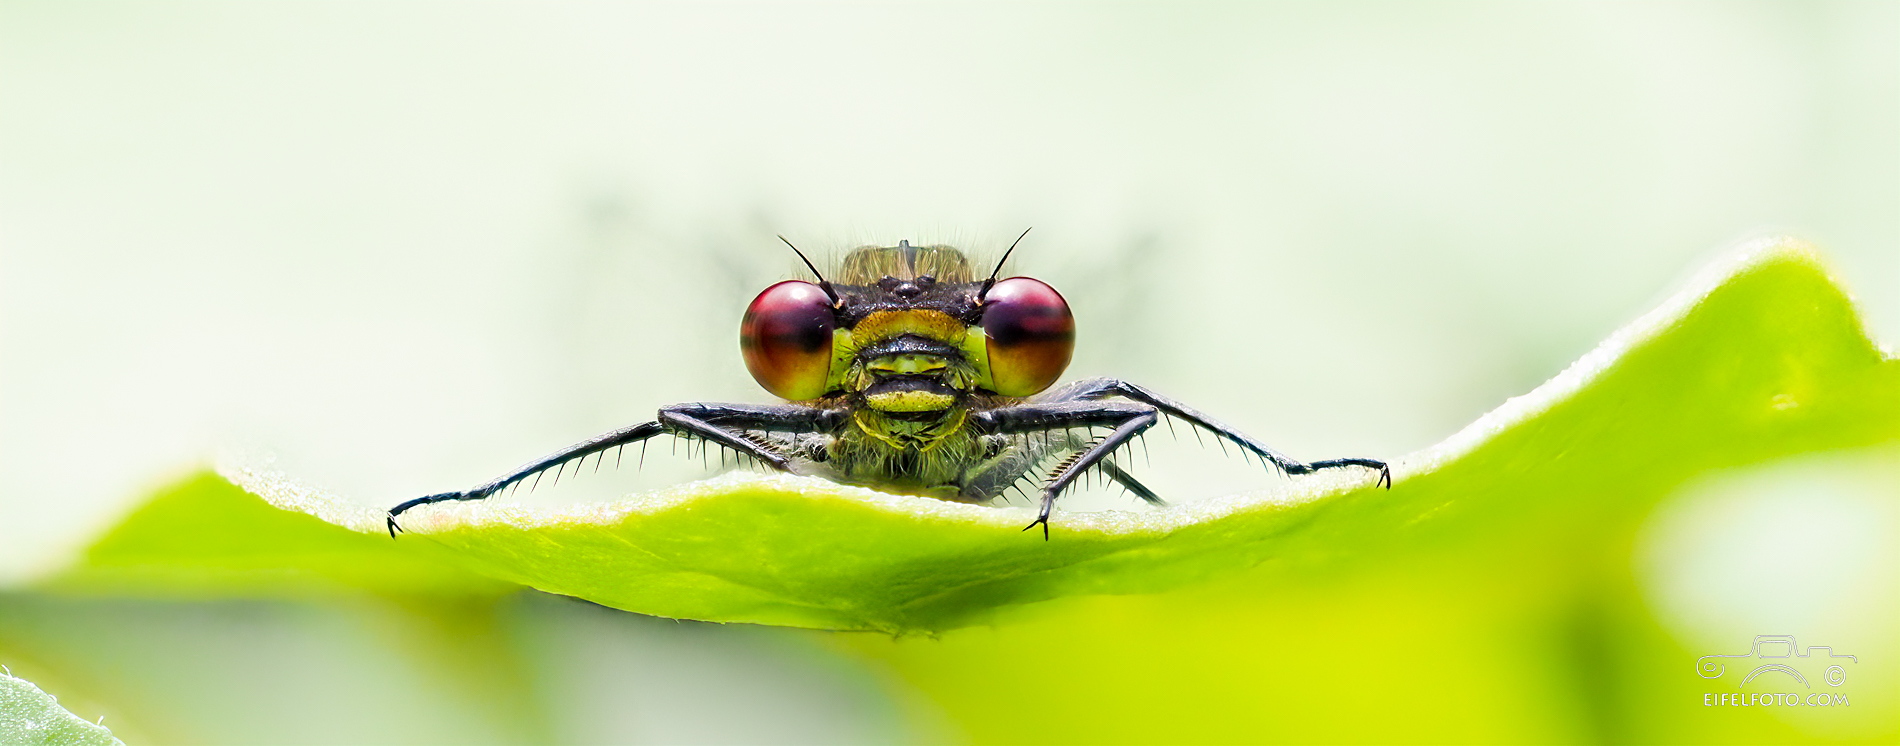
[[919, 452]]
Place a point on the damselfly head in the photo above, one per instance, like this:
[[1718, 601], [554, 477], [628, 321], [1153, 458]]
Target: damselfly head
[[907, 329]]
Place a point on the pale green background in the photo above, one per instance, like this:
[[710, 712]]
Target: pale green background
[[403, 246]]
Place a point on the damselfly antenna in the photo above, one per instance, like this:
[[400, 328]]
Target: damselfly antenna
[[989, 283], [823, 283]]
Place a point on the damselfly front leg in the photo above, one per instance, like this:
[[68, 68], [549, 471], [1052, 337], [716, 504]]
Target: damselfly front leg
[[1096, 389], [1017, 455], [1089, 404], [1128, 419], [732, 426]]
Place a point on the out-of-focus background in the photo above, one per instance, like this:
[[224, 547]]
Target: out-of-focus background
[[400, 247]]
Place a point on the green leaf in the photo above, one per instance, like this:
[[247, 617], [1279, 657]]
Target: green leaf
[[1764, 358], [29, 716], [206, 537]]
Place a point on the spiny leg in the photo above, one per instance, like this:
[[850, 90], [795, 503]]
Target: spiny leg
[[1385, 471], [1095, 389], [1013, 463], [733, 426], [1127, 420], [714, 434], [1128, 480], [724, 424], [583, 449]]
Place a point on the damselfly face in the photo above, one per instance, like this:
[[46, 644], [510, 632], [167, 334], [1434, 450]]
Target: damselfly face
[[905, 373], [905, 330]]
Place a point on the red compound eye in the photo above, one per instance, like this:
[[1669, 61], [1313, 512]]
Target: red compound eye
[[786, 339], [1031, 335]]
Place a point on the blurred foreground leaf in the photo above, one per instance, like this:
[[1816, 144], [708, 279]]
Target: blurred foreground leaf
[[1765, 358], [29, 717]]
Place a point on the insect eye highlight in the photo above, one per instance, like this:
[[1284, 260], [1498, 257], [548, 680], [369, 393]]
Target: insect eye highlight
[[1031, 335], [786, 339]]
